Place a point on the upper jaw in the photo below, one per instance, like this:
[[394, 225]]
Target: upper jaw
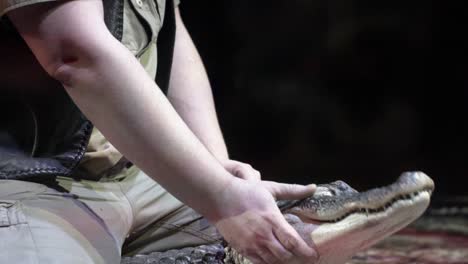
[[333, 202], [337, 236]]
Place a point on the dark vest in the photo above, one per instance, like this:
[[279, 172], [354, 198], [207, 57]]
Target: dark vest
[[42, 132]]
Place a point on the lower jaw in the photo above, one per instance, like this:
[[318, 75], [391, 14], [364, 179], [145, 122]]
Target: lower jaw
[[338, 242]]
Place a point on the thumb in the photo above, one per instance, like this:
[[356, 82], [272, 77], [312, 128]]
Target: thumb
[[285, 191]]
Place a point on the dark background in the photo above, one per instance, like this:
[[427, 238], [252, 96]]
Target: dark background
[[314, 91]]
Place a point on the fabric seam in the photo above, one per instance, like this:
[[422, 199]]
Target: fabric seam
[[26, 217], [132, 209]]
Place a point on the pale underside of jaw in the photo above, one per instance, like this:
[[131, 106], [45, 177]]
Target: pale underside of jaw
[[336, 242]]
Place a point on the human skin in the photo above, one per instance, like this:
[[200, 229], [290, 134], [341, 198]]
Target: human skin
[[190, 93], [107, 83], [191, 96]]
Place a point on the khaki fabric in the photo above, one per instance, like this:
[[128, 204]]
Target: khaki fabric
[[94, 222], [99, 157]]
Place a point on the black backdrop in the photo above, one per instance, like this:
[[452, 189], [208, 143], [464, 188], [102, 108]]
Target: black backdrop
[[313, 91]]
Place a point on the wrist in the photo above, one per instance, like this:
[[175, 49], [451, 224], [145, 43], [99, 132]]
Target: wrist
[[228, 195], [219, 152], [212, 198], [242, 196]]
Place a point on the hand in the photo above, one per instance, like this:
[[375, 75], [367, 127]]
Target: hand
[[253, 225], [241, 170]]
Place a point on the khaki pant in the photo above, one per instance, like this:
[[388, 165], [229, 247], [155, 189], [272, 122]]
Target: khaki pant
[[94, 222]]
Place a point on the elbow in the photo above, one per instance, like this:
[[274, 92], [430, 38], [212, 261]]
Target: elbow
[[78, 64], [65, 42], [67, 38], [70, 60], [64, 70]]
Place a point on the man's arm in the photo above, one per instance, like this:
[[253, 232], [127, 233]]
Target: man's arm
[[109, 85], [72, 43], [191, 95]]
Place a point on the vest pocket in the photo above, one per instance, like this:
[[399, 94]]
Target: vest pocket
[[11, 213], [18, 246]]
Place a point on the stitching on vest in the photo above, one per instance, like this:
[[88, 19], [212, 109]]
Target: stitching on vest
[[83, 143], [76, 158], [27, 172], [119, 29], [44, 170]]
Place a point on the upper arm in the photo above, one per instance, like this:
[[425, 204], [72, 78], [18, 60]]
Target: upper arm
[[59, 32]]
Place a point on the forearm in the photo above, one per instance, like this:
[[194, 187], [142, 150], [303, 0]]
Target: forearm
[[190, 93], [136, 117]]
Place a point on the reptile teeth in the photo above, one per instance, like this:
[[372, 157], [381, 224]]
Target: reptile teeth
[[368, 211]]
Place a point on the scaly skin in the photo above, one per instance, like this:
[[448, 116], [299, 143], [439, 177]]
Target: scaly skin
[[337, 219]]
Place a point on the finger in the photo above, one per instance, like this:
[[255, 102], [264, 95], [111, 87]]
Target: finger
[[246, 172], [290, 191], [268, 257], [256, 175], [279, 251], [255, 259], [292, 242]]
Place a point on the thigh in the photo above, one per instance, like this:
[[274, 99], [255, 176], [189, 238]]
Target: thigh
[[41, 225], [106, 201], [161, 222]]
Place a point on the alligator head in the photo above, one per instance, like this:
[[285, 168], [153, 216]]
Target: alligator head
[[341, 221]]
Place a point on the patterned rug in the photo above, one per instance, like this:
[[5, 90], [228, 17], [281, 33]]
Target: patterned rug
[[438, 237]]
